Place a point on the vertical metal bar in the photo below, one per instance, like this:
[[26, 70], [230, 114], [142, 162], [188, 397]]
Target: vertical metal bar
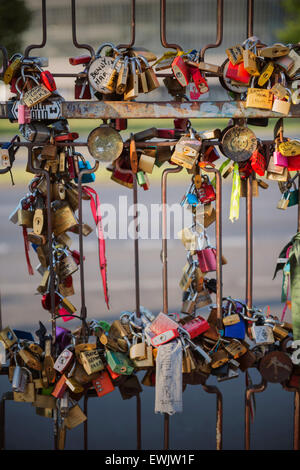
[[74, 35], [132, 41], [44, 25], [297, 420], [137, 286], [219, 36], [136, 247], [255, 389], [250, 15], [138, 423], [219, 414], [83, 311], [219, 294], [165, 271], [2, 423], [249, 243], [85, 424], [163, 39]]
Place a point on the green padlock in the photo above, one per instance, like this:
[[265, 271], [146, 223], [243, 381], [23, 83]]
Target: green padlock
[[140, 178], [294, 197], [48, 391], [119, 362]]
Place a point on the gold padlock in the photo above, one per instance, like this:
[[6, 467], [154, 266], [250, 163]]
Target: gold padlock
[[259, 98], [63, 220], [235, 54]]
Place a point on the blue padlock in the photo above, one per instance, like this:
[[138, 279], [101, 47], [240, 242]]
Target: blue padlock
[[20, 334], [238, 330], [89, 177], [192, 199]]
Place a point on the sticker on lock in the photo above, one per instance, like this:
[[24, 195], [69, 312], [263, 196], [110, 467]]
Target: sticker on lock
[[164, 337], [40, 111]]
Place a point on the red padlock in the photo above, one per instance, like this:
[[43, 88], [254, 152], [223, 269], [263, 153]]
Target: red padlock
[[113, 374], [294, 163], [238, 72], [181, 71], [196, 326], [206, 192], [47, 80], [71, 166], [181, 123], [120, 124], [210, 154], [199, 80], [46, 301], [82, 89], [103, 384], [245, 169], [258, 163], [81, 59], [60, 387]]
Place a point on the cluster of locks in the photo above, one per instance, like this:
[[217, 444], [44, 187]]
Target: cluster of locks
[[264, 74], [172, 351], [266, 77]]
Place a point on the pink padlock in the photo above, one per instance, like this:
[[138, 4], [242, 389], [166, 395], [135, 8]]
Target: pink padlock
[[23, 114], [207, 259], [280, 159]]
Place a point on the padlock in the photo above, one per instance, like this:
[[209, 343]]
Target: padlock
[[296, 63], [63, 220], [8, 337], [250, 62], [103, 384], [14, 66], [219, 358], [101, 70], [279, 91], [206, 192], [258, 162], [289, 148], [195, 326], [199, 80], [259, 97], [236, 330], [203, 299], [235, 54], [138, 350], [29, 393], [238, 73], [132, 88], [63, 361], [75, 417], [119, 362], [277, 50], [82, 89], [262, 334], [181, 71], [236, 349], [189, 303], [60, 387], [265, 74], [284, 201], [91, 361], [145, 363], [19, 379], [207, 259], [281, 105]]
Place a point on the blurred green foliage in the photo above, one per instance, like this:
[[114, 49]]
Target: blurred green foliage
[[15, 18], [290, 33]]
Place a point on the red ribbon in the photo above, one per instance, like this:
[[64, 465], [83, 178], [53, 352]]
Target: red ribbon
[[95, 208], [26, 247]]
